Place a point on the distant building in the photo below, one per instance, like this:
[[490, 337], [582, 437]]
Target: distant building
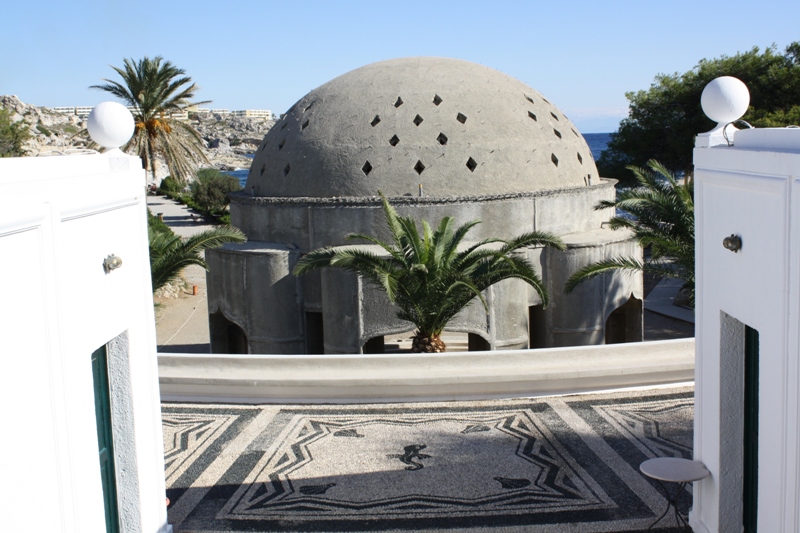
[[81, 111], [253, 113], [220, 112]]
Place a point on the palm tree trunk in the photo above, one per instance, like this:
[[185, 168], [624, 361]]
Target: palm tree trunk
[[423, 343]]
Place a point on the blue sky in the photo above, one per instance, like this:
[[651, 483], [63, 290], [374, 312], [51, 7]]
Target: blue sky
[[582, 55]]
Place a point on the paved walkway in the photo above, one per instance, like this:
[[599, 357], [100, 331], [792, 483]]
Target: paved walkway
[[557, 464], [182, 323]]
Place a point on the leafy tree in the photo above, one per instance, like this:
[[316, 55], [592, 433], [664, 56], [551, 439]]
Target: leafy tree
[[427, 276], [170, 254], [156, 88], [660, 213], [170, 184], [12, 135], [210, 190], [664, 119]]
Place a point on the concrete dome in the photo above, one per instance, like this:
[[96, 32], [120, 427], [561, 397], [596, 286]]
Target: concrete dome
[[455, 128]]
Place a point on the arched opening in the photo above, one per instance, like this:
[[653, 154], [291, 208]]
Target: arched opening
[[315, 334], [476, 343], [226, 337], [624, 324], [536, 327], [374, 345]]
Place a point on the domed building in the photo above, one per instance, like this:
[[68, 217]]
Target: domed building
[[439, 137]]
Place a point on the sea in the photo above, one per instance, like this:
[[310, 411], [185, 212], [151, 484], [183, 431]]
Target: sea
[[597, 143]]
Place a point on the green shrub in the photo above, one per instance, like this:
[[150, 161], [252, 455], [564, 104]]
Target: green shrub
[[170, 184], [12, 135], [43, 130], [210, 190]]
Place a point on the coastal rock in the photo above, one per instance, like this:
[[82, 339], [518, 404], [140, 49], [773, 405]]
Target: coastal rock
[[228, 139], [220, 144]]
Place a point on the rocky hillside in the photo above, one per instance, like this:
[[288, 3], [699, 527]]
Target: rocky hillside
[[226, 139]]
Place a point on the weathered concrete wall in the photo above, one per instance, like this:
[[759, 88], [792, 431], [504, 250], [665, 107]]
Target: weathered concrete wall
[[311, 223], [580, 318], [251, 284]]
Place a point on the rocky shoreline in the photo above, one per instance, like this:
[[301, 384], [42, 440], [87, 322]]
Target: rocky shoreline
[[227, 140]]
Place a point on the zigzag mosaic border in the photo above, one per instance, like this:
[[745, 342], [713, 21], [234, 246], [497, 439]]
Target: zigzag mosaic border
[[528, 464]]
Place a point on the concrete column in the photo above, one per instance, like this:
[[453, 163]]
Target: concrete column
[[341, 311]]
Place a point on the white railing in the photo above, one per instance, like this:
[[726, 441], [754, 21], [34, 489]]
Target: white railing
[[420, 377]]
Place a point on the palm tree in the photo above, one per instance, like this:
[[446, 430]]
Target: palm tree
[[169, 253], [660, 213], [427, 276], [156, 88]]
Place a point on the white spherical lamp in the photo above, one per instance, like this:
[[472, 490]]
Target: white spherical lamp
[[110, 124], [725, 99]]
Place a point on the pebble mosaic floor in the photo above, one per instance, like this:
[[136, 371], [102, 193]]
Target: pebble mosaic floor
[[549, 464]]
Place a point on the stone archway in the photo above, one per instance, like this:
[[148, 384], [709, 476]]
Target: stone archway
[[537, 328], [624, 324], [226, 336]]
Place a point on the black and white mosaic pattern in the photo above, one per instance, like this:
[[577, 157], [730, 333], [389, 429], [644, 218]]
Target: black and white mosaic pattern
[[551, 464]]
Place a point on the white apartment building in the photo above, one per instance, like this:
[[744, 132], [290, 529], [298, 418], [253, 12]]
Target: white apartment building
[[253, 113]]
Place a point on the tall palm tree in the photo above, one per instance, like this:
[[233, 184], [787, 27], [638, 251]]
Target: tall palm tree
[[427, 276], [169, 253], [660, 213], [156, 88]]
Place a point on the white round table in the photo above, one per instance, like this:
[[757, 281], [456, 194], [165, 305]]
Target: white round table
[[673, 470]]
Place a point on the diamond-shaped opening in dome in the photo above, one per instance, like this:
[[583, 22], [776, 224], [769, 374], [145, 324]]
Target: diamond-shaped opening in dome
[[366, 169], [558, 133], [285, 123], [462, 118], [263, 168], [398, 102], [580, 159], [394, 140], [286, 169], [375, 121], [437, 99], [309, 106], [442, 138], [531, 115], [305, 125], [418, 120], [553, 115], [554, 159], [528, 98], [546, 100], [471, 164], [419, 167], [280, 146], [575, 132]]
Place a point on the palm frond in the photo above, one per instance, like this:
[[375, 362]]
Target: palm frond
[[170, 254], [660, 213], [601, 267], [425, 275]]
